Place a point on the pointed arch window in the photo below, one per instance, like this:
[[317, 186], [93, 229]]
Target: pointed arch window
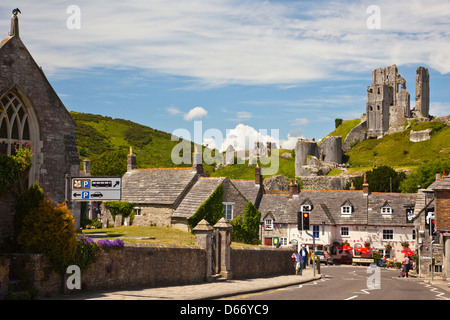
[[14, 123]]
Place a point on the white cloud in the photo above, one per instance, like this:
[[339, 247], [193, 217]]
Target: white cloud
[[173, 111], [299, 122], [239, 42], [439, 109], [244, 115], [195, 113]]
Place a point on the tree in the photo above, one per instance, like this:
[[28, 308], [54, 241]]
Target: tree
[[125, 209], [423, 176], [110, 163], [380, 179]]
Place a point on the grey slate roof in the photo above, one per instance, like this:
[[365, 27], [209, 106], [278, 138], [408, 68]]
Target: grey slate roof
[[157, 186], [443, 184], [327, 207], [201, 190], [249, 190]]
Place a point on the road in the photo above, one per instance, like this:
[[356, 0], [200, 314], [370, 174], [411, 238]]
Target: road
[[355, 283]]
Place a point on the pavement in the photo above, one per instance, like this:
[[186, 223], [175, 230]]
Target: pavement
[[203, 291]]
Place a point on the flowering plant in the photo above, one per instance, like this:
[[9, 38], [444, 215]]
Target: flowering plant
[[108, 244], [23, 155]]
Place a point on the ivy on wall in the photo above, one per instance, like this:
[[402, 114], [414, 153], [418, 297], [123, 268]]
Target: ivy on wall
[[211, 210], [247, 230]]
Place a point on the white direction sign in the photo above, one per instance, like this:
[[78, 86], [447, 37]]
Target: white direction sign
[[95, 188]]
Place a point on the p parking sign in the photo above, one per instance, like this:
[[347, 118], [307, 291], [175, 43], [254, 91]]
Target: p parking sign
[[95, 188]]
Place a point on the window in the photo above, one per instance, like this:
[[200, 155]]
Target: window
[[345, 232], [346, 210], [228, 210], [386, 210], [268, 224], [316, 231], [283, 241], [137, 211], [14, 123], [388, 234]]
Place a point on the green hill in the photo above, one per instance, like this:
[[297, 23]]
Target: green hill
[[396, 150], [98, 134]]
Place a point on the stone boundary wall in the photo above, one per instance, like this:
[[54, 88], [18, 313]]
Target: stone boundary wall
[[326, 182], [141, 265], [145, 265], [255, 262]]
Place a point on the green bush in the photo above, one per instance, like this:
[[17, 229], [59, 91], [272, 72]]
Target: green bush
[[25, 204], [247, 230], [50, 230], [125, 209]]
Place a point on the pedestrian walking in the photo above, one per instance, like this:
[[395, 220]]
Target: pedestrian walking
[[298, 263], [304, 256], [406, 265]]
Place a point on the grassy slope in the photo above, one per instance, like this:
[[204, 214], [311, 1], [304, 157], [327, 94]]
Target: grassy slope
[[97, 134], [344, 129], [110, 135], [396, 150]]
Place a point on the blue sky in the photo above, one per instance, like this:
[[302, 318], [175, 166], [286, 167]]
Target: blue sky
[[245, 66]]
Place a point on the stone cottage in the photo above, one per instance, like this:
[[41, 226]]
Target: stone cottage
[[431, 218], [354, 216], [32, 113], [171, 196]]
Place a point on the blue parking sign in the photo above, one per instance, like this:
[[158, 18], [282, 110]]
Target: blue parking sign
[[86, 184], [85, 194]]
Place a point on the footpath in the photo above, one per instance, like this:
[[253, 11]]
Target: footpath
[[202, 291]]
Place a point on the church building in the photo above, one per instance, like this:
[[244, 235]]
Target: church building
[[32, 113]]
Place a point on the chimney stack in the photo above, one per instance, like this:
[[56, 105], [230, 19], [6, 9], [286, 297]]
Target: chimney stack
[[294, 189], [131, 161], [197, 164], [258, 175], [365, 186], [87, 166]]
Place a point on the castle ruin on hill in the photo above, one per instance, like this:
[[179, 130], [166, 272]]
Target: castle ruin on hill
[[387, 111]]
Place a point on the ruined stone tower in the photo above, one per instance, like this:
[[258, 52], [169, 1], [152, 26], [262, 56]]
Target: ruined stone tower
[[388, 101], [422, 106]]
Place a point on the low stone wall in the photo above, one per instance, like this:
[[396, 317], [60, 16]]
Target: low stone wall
[[326, 182], [140, 265], [145, 265], [255, 262], [4, 276]]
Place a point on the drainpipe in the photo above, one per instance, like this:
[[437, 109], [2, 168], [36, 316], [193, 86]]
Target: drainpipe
[[432, 260]]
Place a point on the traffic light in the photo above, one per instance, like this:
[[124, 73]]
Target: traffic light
[[305, 220], [299, 221]]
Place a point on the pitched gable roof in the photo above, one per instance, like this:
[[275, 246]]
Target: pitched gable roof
[[199, 193], [250, 190], [327, 207], [157, 186]]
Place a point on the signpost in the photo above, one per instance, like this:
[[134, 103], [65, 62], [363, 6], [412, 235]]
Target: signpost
[[95, 188]]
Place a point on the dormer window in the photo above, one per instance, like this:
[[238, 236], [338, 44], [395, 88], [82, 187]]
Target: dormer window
[[386, 209], [346, 210], [268, 224]]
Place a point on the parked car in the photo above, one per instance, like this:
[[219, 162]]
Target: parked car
[[323, 256]]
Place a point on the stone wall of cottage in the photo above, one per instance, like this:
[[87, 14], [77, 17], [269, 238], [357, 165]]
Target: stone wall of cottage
[[231, 194], [154, 215]]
